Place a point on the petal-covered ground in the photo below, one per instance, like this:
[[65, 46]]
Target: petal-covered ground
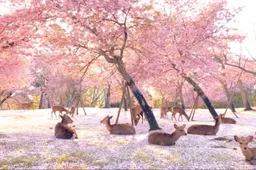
[[27, 142]]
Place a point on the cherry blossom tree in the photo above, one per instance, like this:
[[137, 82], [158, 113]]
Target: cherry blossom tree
[[173, 35]]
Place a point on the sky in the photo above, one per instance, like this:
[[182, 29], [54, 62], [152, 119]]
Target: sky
[[246, 25]]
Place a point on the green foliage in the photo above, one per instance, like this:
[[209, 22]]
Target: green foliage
[[70, 157], [117, 104], [27, 161], [157, 103]]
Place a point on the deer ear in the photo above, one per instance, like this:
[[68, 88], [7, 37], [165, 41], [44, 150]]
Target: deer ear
[[110, 117], [236, 138], [175, 126], [61, 117], [250, 138]]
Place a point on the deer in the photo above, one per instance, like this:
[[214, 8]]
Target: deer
[[58, 108], [205, 129], [27, 105], [118, 129], [181, 112], [227, 120], [64, 129], [72, 111], [249, 153], [163, 112], [136, 113], [165, 139]]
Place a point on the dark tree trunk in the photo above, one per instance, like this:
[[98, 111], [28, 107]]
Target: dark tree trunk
[[247, 105], [107, 96], [199, 92], [140, 98], [232, 107], [41, 100], [203, 96], [114, 59]]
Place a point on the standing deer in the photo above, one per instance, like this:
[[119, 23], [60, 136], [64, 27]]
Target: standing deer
[[249, 153], [181, 112], [161, 138], [119, 129], [58, 108], [72, 111], [227, 120], [27, 105], [205, 129], [64, 129], [163, 112], [136, 113]]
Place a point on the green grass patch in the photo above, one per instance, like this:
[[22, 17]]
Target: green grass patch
[[122, 142], [27, 161], [71, 157]]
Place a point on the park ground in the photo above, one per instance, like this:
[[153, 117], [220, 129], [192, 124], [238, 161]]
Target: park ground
[[27, 142]]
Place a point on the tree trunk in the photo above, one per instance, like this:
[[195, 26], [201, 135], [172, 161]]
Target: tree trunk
[[48, 102], [125, 103], [107, 96], [247, 105], [141, 100], [199, 92], [41, 100], [9, 94], [181, 98], [203, 96], [229, 99], [163, 103]]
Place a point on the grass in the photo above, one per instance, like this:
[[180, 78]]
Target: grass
[[143, 157], [27, 161], [122, 142], [74, 156]]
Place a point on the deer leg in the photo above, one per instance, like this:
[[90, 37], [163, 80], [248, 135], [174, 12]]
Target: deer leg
[[173, 116], [180, 116]]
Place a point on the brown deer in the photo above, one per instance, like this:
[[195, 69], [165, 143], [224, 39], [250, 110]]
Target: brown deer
[[205, 129], [163, 112], [58, 108], [181, 112], [119, 129], [136, 113], [64, 129], [227, 120], [249, 153], [28, 105], [72, 111], [161, 138]]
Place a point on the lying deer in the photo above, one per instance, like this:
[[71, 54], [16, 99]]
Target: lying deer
[[58, 108], [181, 112], [119, 129], [64, 129], [136, 113], [72, 111], [205, 129], [161, 138], [249, 153], [227, 120]]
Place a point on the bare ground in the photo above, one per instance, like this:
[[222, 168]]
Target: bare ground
[[27, 142]]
